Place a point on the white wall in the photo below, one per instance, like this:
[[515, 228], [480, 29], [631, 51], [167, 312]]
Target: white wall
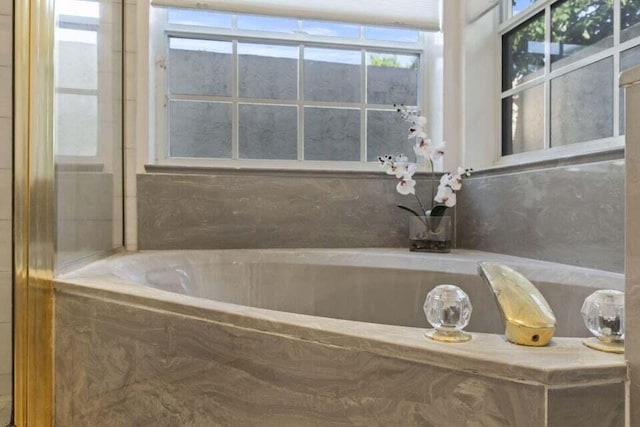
[[481, 73], [5, 206]]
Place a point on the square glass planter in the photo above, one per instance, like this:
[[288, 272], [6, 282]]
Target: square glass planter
[[430, 233]]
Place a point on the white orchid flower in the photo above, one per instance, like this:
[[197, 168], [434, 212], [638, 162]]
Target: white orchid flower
[[408, 170], [423, 148], [406, 187], [453, 181], [417, 132], [419, 121], [464, 172], [394, 169], [445, 195], [385, 160], [437, 151], [401, 159], [397, 165], [455, 184], [388, 164]]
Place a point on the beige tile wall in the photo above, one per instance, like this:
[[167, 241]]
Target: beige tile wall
[[6, 7]]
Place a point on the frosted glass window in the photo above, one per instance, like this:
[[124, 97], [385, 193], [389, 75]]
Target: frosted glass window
[[268, 132], [386, 134], [76, 59], [200, 129], [523, 121], [582, 104], [392, 78], [76, 125], [200, 67], [268, 71], [331, 134], [237, 87], [332, 75]]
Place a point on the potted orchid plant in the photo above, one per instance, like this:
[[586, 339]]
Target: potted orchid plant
[[429, 227]]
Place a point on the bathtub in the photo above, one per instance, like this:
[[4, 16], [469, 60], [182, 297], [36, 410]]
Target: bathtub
[[318, 337]]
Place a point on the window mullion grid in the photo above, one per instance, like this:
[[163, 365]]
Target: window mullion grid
[[235, 105], [616, 67], [197, 33], [301, 102], [547, 80], [363, 106], [185, 31]]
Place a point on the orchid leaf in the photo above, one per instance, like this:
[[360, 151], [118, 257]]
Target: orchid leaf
[[416, 213], [436, 213], [439, 210]]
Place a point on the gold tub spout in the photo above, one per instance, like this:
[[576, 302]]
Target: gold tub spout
[[528, 317]]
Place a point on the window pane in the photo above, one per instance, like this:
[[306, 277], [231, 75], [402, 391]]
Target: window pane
[[523, 53], [580, 28], [520, 5], [267, 23], [629, 58], [332, 75], [391, 34], [268, 71], [582, 104], [76, 125], [200, 18], [199, 129], [200, 67], [331, 29], [76, 59], [387, 134], [331, 134], [630, 19], [523, 121], [392, 79], [268, 132]]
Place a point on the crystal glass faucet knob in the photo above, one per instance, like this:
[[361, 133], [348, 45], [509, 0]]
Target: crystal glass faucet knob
[[603, 314], [448, 308]]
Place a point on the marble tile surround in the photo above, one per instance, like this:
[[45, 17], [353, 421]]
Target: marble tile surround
[[269, 210], [135, 366], [571, 214]]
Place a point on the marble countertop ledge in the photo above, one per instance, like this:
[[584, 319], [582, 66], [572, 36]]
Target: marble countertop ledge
[[565, 362]]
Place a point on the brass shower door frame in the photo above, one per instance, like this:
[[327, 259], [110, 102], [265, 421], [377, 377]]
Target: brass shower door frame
[[33, 212]]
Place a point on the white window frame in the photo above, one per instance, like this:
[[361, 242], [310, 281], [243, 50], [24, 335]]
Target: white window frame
[[160, 32], [616, 142]]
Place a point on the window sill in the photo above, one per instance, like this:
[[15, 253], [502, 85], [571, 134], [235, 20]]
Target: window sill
[[563, 156], [258, 167]]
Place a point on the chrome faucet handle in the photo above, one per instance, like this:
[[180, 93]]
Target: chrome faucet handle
[[527, 315]]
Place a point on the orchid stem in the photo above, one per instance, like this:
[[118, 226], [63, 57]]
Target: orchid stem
[[433, 195], [421, 205]]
